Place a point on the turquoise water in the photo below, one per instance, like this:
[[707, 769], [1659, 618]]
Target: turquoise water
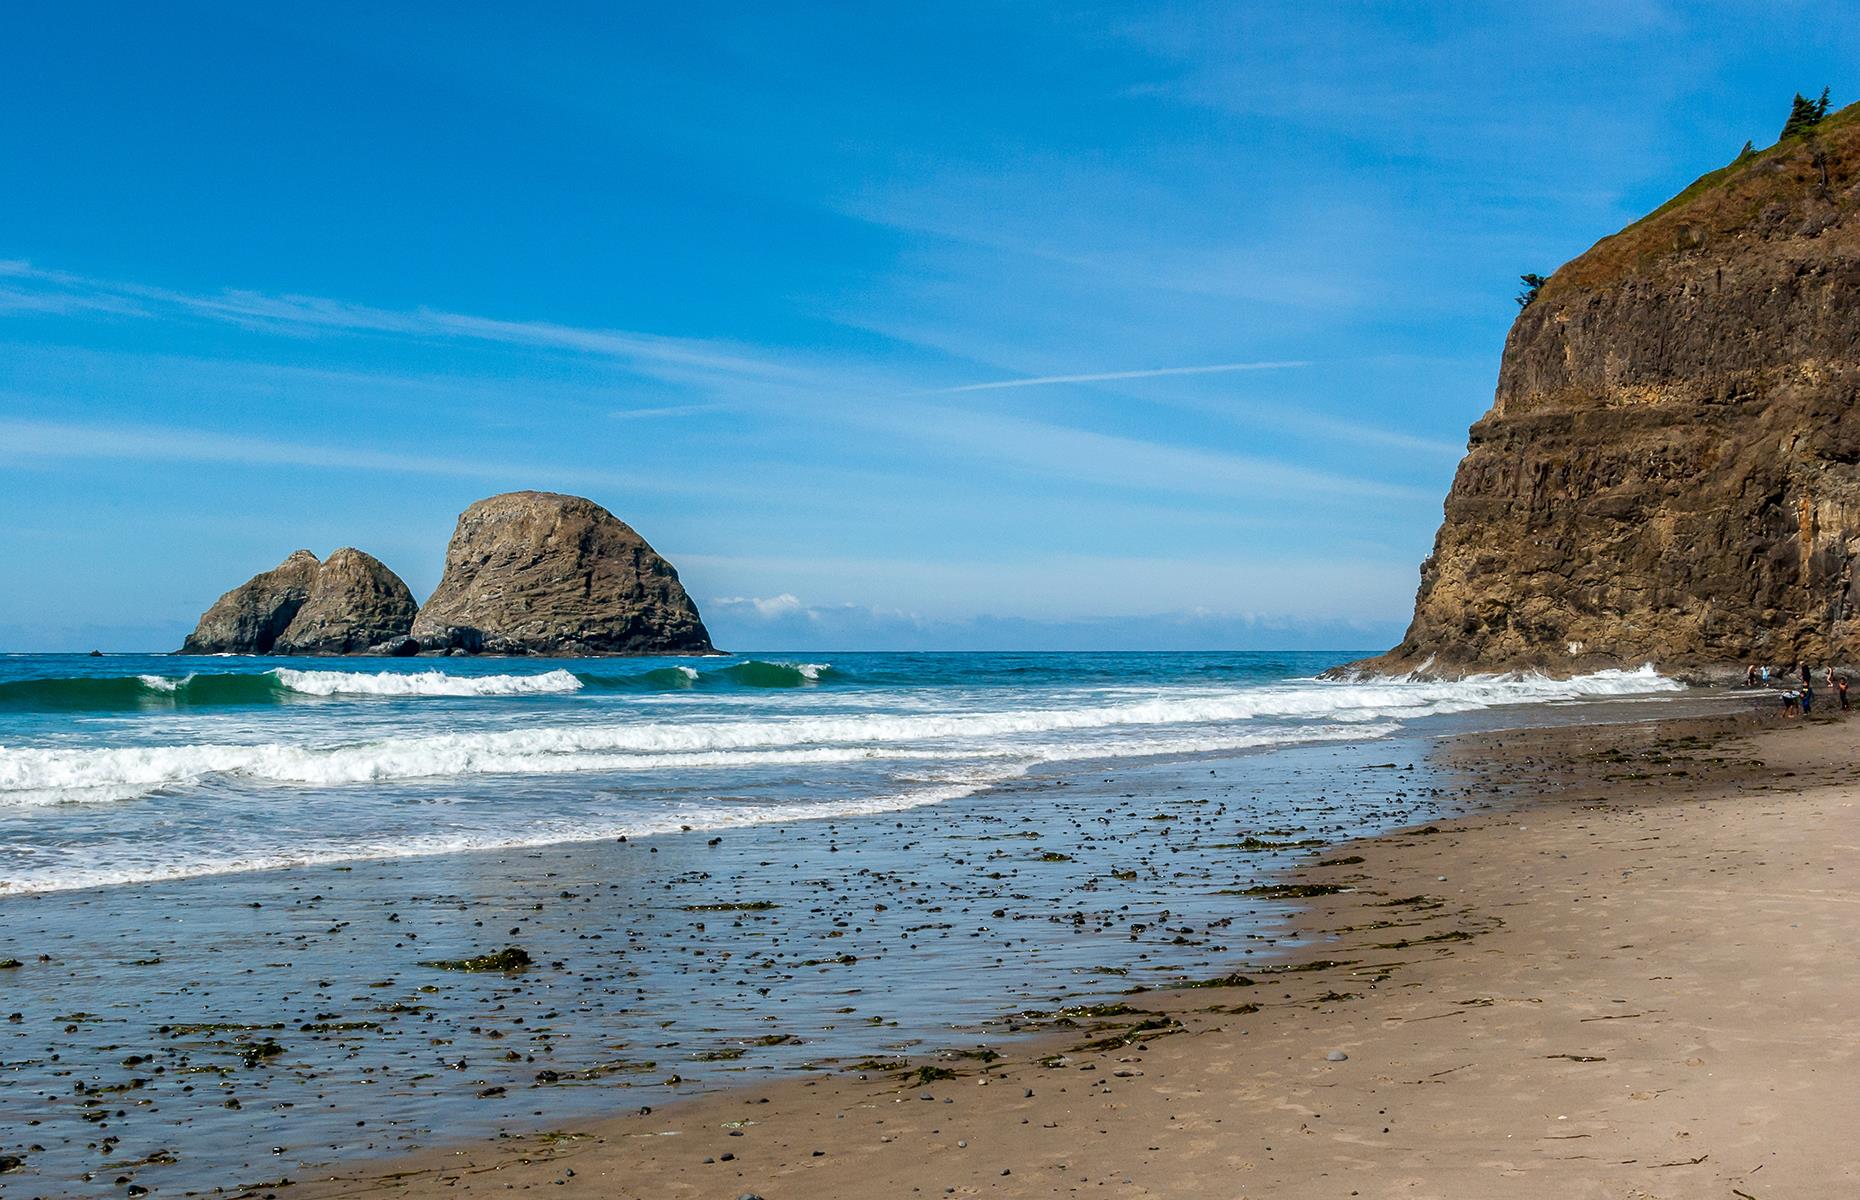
[[125, 770]]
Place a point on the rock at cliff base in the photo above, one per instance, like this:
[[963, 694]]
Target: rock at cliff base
[[250, 618], [541, 573], [1671, 469], [354, 603]]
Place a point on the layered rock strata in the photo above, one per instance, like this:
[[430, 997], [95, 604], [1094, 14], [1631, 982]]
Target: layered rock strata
[[1670, 471]]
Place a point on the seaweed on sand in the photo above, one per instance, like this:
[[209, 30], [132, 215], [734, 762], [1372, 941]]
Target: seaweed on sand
[[511, 958], [1286, 891]]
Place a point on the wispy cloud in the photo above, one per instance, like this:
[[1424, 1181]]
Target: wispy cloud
[[50, 441], [664, 410], [1103, 459], [1113, 376], [843, 391], [31, 288]]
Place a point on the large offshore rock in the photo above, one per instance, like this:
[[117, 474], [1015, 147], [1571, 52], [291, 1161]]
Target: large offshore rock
[[542, 573], [355, 602], [250, 618], [1671, 469]]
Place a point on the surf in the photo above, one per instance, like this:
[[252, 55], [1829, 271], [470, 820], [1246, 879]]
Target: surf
[[288, 685], [39, 775]]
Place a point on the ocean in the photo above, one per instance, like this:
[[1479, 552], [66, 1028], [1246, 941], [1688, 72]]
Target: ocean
[[226, 885], [125, 770]]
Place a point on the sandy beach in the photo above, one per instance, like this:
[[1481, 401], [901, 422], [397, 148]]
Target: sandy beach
[[1629, 977], [793, 603]]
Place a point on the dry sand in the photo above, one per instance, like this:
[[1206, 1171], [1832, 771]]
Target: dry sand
[[1634, 977]]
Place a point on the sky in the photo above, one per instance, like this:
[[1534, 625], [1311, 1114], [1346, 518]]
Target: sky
[[958, 326]]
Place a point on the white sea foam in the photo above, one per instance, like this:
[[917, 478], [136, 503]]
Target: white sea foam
[[34, 776], [70, 875], [424, 683], [160, 861], [162, 683], [50, 777]]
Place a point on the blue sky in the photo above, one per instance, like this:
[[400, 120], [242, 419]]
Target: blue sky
[[967, 326]]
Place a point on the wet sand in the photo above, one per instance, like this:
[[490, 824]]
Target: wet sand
[[1632, 975], [202, 1035]]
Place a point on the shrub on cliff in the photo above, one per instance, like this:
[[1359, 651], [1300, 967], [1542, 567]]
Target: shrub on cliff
[[1804, 115]]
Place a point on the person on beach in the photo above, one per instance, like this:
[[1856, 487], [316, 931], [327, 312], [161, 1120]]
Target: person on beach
[[1808, 696], [1840, 690], [1766, 674], [1791, 701], [1750, 676], [1807, 674]]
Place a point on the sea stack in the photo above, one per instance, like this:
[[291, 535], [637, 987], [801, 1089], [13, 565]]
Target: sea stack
[[355, 605], [1670, 472], [350, 604], [542, 573], [253, 616]]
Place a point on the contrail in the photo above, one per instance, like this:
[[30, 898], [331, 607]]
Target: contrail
[[1106, 376]]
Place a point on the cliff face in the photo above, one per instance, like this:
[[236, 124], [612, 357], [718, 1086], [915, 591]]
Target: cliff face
[[1671, 469], [541, 573]]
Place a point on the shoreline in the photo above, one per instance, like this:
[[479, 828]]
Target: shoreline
[[189, 1035], [1235, 1083]]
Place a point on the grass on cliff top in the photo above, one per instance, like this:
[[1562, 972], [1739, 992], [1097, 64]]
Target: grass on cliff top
[[1721, 201], [1832, 124]]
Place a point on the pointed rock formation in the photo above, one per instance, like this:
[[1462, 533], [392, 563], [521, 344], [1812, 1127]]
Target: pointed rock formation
[[1671, 470], [541, 573], [355, 604], [253, 616]]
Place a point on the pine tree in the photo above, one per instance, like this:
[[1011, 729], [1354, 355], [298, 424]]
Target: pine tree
[[1533, 283], [1804, 115]]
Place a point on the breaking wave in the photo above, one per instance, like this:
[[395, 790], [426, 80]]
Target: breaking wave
[[933, 788], [284, 685], [31, 776], [425, 683]]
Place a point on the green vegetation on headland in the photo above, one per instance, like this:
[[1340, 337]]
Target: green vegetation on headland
[[1754, 176], [1804, 115]]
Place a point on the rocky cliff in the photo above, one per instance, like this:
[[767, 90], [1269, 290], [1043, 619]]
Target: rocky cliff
[[343, 606], [541, 573], [1671, 469]]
